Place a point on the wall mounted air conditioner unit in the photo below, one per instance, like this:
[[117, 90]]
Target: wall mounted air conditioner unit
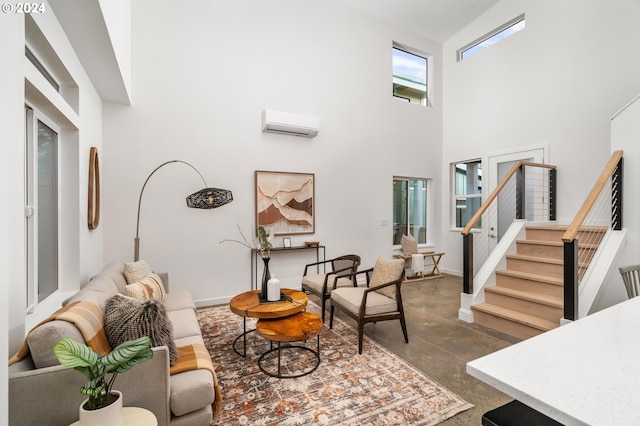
[[290, 124]]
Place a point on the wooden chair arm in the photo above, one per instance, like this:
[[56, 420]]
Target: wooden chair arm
[[315, 264]]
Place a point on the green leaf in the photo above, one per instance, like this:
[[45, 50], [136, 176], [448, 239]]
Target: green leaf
[[73, 354]]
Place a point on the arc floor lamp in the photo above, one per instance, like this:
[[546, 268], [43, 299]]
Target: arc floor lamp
[[206, 198]]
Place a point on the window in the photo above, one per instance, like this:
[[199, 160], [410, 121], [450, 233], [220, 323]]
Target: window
[[467, 178], [491, 38], [42, 207], [409, 76], [410, 209]]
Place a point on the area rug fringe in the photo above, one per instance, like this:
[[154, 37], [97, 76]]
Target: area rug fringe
[[375, 388]]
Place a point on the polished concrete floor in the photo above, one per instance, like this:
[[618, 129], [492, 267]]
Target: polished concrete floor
[[440, 344]]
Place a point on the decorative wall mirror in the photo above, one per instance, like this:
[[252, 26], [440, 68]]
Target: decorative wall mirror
[[94, 189]]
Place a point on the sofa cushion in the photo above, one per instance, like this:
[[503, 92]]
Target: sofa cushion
[[177, 300], [42, 339], [135, 271], [115, 271], [148, 288], [126, 318], [185, 323], [190, 391], [99, 289]]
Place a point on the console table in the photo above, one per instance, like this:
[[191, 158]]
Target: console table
[[255, 255]]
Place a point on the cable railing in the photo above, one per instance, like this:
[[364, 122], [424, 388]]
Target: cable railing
[[527, 192], [600, 212]]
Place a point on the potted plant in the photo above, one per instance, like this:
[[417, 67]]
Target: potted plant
[[96, 367]]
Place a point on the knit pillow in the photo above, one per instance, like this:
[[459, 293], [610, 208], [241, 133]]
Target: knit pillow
[[147, 288], [126, 318], [384, 271], [135, 271], [409, 245]]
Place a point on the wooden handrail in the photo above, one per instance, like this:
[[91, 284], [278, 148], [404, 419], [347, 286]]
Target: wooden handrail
[[572, 231], [483, 208]]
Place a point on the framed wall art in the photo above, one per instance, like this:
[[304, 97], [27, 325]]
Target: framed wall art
[[285, 202]]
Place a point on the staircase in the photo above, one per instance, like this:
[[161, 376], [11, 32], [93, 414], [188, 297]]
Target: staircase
[[527, 299]]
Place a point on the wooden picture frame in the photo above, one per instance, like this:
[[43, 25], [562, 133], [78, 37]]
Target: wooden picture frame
[[285, 202]]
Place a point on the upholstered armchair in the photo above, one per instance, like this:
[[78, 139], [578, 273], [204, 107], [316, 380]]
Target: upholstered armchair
[[380, 300], [339, 275]]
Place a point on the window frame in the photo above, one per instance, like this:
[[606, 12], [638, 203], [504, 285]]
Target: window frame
[[426, 101], [427, 208], [460, 53], [455, 196]]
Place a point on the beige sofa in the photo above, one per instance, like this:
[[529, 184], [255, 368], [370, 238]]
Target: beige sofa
[[43, 392]]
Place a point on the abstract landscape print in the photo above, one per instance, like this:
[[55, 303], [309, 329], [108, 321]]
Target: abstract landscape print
[[285, 202]]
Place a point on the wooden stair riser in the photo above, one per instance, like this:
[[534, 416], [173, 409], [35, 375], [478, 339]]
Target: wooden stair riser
[[553, 251], [549, 313], [515, 329], [531, 285], [545, 234], [547, 251], [535, 267]]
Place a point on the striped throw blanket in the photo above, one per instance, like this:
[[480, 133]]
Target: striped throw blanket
[[87, 317], [196, 356]]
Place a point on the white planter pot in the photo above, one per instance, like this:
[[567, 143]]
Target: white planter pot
[[110, 415]]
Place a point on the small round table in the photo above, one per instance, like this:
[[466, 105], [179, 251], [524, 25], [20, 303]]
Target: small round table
[[248, 305], [294, 328]]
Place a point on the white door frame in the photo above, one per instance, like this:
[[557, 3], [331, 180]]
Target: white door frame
[[536, 154]]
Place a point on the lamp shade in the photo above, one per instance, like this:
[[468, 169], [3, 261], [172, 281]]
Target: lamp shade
[[209, 198]]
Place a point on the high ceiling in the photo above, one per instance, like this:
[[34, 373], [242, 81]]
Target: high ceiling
[[434, 19]]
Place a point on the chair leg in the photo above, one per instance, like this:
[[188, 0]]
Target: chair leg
[[331, 317], [360, 337], [404, 329], [324, 303]]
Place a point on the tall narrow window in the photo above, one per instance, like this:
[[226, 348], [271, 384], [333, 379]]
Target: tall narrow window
[[42, 207], [467, 178], [409, 76], [410, 209], [492, 37]]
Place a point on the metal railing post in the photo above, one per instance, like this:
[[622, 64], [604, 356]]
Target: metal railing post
[[552, 194], [467, 266], [617, 195], [571, 280]]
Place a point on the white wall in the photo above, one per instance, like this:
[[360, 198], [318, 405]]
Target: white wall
[[201, 77], [557, 82], [11, 213]]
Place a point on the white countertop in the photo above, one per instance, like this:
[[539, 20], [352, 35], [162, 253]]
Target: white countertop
[[583, 373]]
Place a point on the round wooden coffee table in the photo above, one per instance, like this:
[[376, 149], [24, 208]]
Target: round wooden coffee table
[[294, 328], [248, 305]]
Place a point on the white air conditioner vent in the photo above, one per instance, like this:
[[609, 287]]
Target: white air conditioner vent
[[290, 124]]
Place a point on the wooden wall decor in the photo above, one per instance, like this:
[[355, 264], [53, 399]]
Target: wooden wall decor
[[94, 189]]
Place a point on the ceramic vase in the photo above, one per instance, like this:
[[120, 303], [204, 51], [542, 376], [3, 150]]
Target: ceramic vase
[[111, 415], [273, 289], [266, 276]]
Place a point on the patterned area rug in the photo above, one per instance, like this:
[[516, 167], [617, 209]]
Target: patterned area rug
[[375, 388]]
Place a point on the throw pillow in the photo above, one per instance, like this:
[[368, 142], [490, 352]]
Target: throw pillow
[[409, 245], [126, 318], [135, 271], [147, 288], [384, 271]]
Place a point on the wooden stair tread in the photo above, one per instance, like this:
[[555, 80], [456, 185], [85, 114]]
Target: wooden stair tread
[[556, 302], [531, 276], [515, 316]]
